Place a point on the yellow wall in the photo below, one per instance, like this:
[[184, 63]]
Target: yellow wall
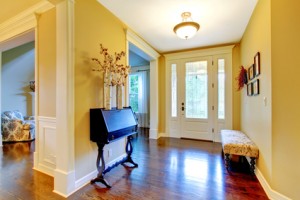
[[255, 116], [47, 63], [236, 95], [93, 25], [285, 97], [162, 95]]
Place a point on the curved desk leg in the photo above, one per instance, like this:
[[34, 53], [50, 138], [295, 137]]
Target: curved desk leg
[[100, 176], [129, 150]]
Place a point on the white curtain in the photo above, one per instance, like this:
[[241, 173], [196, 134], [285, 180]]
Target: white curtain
[[143, 99]]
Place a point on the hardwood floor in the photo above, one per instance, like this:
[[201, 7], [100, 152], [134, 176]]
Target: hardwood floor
[[169, 168]]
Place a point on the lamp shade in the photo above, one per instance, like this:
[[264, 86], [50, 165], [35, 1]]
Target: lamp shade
[[186, 30]]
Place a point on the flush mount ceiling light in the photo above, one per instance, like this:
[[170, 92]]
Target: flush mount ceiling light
[[187, 28]]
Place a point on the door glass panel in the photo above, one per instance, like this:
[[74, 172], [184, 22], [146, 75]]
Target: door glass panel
[[196, 90], [174, 90], [221, 89], [134, 92]]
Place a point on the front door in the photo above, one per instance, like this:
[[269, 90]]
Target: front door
[[198, 99], [195, 98]]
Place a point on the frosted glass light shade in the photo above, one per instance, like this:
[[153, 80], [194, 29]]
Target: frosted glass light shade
[[186, 30]]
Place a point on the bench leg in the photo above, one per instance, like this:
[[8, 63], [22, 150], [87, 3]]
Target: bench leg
[[252, 165], [227, 160]]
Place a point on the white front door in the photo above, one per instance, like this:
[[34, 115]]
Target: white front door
[[198, 99], [195, 98]]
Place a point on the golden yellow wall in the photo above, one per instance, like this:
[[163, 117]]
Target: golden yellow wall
[[47, 63], [255, 116], [285, 29], [162, 95], [93, 25], [236, 95]]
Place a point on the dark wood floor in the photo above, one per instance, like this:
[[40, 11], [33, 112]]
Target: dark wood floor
[[169, 168]]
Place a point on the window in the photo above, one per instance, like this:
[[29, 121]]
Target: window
[[196, 91], [174, 90], [134, 92], [221, 89]]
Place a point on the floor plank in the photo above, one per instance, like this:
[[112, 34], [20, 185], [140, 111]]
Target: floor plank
[[169, 168]]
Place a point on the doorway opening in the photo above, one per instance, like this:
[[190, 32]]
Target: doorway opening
[[139, 86], [17, 74]]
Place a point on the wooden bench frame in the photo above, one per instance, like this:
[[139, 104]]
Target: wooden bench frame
[[237, 143]]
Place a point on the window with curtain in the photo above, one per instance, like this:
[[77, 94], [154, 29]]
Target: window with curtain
[[139, 96]]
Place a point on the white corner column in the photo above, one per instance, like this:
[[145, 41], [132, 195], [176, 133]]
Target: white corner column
[[64, 174], [153, 132]]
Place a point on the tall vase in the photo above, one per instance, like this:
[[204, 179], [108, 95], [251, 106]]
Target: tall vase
[[107, 91], [119, 96]]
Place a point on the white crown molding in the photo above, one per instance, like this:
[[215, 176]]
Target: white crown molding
[[141, 44], [199, 53], [22, 22]]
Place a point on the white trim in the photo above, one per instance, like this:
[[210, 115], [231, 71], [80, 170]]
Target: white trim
[[22, 22], [47, 119], [141, 44], [177, 57], [45, 157], [87, 179], [162, 135], [147, 49], [199, 53], [62, 180], [272, 194], [64, 175]]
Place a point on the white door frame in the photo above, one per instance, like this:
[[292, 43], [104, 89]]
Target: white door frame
[[193, 54], [153, 55]]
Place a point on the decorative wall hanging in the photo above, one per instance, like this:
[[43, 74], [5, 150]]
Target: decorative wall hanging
[[251, 72], [256, 87], [249, 89], [114, 74], [257, 64], [241, 78]]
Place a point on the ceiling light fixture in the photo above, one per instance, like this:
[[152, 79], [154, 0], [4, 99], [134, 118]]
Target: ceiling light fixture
[[187, 28]]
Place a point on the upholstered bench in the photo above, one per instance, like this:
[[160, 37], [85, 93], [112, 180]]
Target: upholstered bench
[[237, 143]]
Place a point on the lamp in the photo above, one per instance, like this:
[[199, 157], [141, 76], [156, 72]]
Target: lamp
[[187, 28]]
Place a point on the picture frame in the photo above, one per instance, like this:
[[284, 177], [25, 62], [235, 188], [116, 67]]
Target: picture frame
[[251, 72], [249, 89], [255, 87], [257, 64]]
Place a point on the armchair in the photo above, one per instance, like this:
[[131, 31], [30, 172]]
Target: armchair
[[15, 128]]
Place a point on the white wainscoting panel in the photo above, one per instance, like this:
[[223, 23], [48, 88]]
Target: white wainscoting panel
[[46, 145]]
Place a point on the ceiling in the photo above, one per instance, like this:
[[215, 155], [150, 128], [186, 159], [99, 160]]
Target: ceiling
[[221, 21]]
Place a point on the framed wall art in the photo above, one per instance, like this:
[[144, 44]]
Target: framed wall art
[[251, 72], [257, 64], [256, 87], [249, 89]]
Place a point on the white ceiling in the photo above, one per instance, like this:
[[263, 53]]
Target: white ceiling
[[221, 21]]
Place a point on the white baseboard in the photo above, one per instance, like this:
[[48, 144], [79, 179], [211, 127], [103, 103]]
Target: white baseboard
[[153, 133], [64, 182], [87, 179], [162, 135], [272, 194], [44, 169]]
